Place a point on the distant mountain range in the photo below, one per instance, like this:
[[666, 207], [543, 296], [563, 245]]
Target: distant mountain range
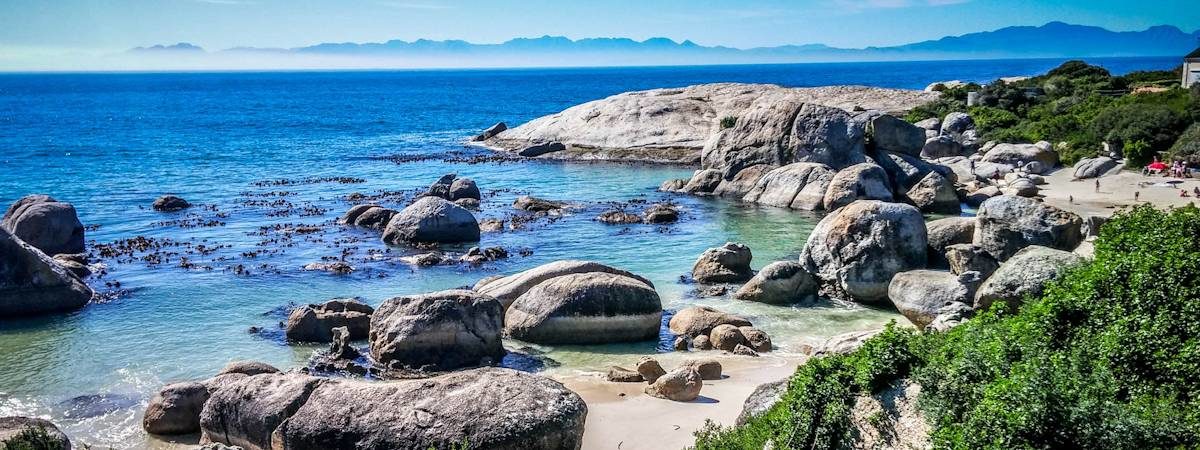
[[1052, 40]]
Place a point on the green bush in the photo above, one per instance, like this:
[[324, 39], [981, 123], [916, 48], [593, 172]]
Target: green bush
[[1187, 147], [728, 122], [1107, 358], [935, 109], [32, 439], [1155, 124], [988, 118]]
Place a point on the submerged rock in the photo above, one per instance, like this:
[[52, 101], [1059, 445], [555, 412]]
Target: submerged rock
[[534, 204], [618, 217], [661, 213], [31, 283], [490, 408], [170, 203], [432, 219], [858, 248], [446, 330], [46, 224], [585, 308], [728, 263], [536, 150]]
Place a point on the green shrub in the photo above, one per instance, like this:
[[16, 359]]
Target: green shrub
[[1108, 357], [935, 109], [1154, 124], [32, 439], [728, 122], [1187, 147], [988, 118]]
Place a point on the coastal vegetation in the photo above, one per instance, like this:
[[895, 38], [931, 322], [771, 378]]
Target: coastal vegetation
[[1082, 106], [1107, 357]]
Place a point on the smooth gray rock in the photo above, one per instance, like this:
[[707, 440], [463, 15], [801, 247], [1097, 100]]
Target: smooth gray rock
[[759, 137], [315, 322], [1021, 187], [248, 368], [843, 343], [704, 181], [920, 294], [352, 214], [729, 263], [945, 232], [682, 385], [508, 289], [675, 185], [858, 248], [375, 218], [864, 181], [895, 135], [797, 186], [618, 374], [31, 283], [781, 282], [175, 409], [446, 330], [957, 123], [825, 135], [490, 408], [432, 219], [963, 258], [1094, 167], [1025, 274], [1092, 224], [1008, 223], [699, 321], [935, 194], [585, 308], [743, 182], [932, 123], [537, 205], [1017, 155], [46, 224], [708, 368], [463, 188], [943, 146], [981, 195]]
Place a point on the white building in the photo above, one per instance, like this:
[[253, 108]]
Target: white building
[[1191, 68]]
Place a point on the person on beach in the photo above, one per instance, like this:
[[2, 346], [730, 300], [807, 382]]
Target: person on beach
[[1136, 194], [1097, 185]]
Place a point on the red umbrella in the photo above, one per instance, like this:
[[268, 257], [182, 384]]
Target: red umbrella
[[1157, 165]]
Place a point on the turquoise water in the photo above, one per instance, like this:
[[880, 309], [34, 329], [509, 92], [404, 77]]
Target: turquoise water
[[262, 153]]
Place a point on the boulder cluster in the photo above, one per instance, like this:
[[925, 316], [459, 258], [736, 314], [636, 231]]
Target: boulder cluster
[[682, 384], [41, 258], [439, 215]]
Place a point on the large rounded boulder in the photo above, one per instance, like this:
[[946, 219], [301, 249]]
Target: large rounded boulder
[[507, 289], [315, 323], [1024, 275], [920, 294], [780, 282], [864, 181], [175, 409], [445, 330], [1094, 167], [728, 263], [432, 219], [798, 186], [1007, 224], [31, 283], [945, 232], [1018, 155], [585, 308], [45, 223], [490, 408], [701, 320], [935, 193], [858, 248]]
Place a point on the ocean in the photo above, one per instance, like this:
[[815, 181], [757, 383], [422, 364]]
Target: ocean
[[262, 154]]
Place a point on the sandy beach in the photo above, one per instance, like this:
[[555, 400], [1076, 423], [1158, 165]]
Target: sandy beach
[[621, 416], [1116, 191]]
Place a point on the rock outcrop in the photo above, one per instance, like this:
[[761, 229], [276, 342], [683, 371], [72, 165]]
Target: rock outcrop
[[175, 409], [432, 219], [945, 232], [1094, 167], [441, 330], [490, 408], [673, 125], [585, 308], [697, 321], [857, 249], [920, 294], [315, 322], [858, 182], [31, 283], [45, 223], [780, 282], [13, 426], [729, 263], [1007, 223], [490, 132], [170, 203]]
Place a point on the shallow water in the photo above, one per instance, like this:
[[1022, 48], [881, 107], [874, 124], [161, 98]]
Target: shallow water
[[111, 143]]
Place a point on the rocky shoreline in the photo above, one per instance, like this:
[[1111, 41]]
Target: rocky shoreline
[[428, 375]]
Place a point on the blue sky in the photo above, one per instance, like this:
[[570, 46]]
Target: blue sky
[[98, 25]]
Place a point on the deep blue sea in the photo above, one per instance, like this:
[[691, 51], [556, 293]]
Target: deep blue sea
[[264, 153]]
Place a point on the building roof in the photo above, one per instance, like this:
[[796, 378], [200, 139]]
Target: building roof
[[1195, 54]]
